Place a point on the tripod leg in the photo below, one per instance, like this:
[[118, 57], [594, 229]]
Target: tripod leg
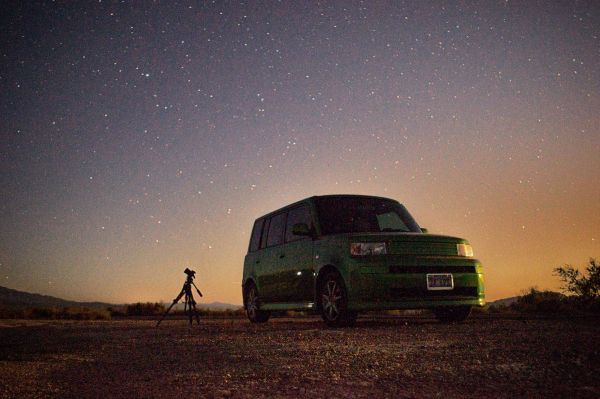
[[165, 314], [189, 301], [196, 313], [170, 307], [192, 310]]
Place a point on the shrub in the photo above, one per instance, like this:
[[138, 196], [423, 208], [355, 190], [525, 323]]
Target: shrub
[[117, 311], [40, 313], [586, 285], [540, 301], [61, 314], [144, 309], [84, 314]]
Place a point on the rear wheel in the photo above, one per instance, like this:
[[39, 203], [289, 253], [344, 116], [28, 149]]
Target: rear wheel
[[255, 315], [452, 314], [334, 302]]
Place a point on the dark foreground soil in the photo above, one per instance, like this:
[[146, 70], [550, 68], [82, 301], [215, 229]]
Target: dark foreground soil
[[381, 357]]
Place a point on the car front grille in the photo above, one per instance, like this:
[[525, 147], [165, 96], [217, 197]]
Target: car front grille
[[423, 248]]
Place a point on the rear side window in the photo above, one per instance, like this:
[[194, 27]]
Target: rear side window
[[297, 215], [275, 235], [255, 238], [263, 240]]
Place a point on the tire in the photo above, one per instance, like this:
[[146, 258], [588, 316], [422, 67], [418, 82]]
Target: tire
[[452, 314], [333, 300], [255, 315]]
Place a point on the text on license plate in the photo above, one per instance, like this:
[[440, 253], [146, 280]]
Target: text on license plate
[[440, 281]]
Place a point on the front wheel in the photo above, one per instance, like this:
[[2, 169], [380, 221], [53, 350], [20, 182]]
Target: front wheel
[[452, 314], [255, 315], [334, 302]]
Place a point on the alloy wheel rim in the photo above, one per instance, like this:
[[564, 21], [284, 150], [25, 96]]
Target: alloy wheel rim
[[331, 299], [252, 303]]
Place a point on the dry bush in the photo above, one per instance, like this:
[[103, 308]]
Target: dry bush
[[583, 287], [84, 314], [54, 313], [11, 313], [144, 309], [541, 302]]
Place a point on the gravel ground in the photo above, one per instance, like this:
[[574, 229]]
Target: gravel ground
[[397, 357]]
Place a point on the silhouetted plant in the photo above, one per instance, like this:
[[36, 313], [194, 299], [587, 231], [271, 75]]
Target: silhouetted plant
[[144, 309], [584, 285], [40, 313], [540, 301], [55, 313], [117, 311]]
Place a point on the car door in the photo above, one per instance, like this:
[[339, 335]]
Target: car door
[[271, 286], [297, 258]]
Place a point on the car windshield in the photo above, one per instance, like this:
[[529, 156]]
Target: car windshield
[[363, 215]]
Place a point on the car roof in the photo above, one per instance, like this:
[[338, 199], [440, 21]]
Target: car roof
[[316, 197]]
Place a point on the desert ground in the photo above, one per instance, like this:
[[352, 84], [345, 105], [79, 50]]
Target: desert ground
[[399, 356]]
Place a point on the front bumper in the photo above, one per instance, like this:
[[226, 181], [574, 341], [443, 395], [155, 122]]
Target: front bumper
[[402, 283]]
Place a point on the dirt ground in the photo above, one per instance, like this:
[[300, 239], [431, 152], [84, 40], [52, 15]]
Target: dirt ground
[[380, 357]]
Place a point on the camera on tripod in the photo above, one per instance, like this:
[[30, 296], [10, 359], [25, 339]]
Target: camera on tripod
[[191, 273], [189, 306]]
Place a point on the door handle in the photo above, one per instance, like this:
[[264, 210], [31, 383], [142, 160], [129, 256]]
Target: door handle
[[281, 256]]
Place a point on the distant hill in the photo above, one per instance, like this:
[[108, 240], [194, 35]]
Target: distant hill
[[503, 302], [14, 299]]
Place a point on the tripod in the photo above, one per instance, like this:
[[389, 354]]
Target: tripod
[[189, 306]]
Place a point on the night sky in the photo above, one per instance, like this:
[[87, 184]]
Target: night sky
[[138, 139]]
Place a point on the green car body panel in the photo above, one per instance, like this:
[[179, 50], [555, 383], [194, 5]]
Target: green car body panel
[[287, 274]]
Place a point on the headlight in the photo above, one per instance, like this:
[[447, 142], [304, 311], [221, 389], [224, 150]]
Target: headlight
[[464, 250], [367, 248]]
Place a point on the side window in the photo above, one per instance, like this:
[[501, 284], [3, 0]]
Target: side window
[[263, 240], [255, 238], [275, 235], [297, 215]]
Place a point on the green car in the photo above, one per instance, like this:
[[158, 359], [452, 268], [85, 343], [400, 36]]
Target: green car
[[343, 254]]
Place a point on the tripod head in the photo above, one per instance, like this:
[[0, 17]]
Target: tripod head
[[189, 280], [191, 274]]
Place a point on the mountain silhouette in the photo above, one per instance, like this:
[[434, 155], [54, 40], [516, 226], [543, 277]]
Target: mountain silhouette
[[14, 299]]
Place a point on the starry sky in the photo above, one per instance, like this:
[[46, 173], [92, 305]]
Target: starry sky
[[140, 138]]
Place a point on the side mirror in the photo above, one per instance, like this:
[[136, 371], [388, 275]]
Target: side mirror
[[424, 230], [301, 229]]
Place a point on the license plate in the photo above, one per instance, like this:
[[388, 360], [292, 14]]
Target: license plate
[[440, 281]]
